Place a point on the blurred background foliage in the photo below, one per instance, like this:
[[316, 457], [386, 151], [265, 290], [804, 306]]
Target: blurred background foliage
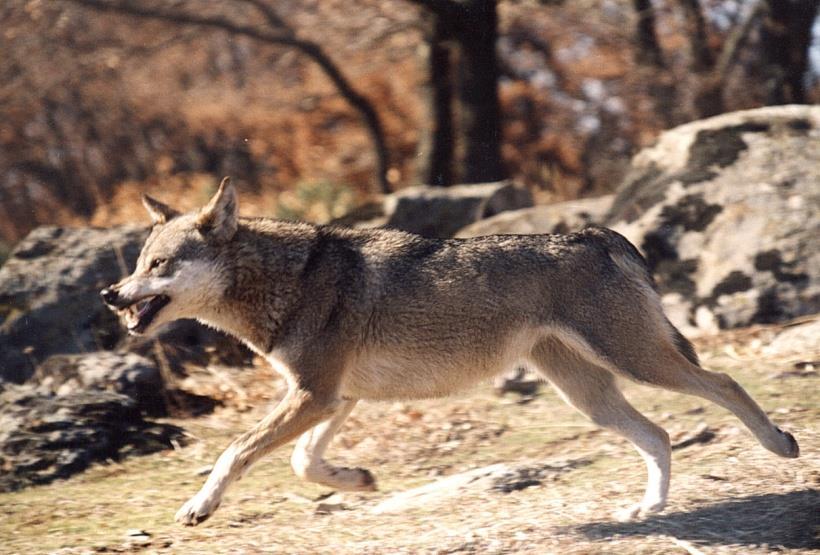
[[315, 106]]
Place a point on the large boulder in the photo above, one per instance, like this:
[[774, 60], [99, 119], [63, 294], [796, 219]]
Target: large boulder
[[49, 294], [727, 213], [442, 211], [439, 211], [130, 374], [560, 217], [50, 304], [497, 478], [800, 340], [45, 437]]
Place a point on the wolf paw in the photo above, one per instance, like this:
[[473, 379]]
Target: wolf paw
[[352, 479], [788, 447], [197, 509], [638, 510], [367, 482]]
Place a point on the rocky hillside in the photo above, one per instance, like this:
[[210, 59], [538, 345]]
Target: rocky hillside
[[726, 211]]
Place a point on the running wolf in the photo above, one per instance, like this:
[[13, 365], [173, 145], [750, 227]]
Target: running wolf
[[348, 314]]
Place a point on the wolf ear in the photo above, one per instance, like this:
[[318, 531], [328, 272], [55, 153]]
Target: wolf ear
[[160, 212], [217, 219]]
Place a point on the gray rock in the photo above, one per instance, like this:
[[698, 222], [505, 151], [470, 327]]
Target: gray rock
[[799, 340], [50, 304], [49, 294], [130, 374], [46, 437], [500, 478], [442, 211], [727, 212], [560, 217]]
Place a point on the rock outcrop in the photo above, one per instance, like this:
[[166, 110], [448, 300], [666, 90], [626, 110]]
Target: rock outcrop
[[560, 217], [727, 212], [799, 340], [440, 211], [46, 437], [129, 374], [50, 303], [49, 294], [499, 478]]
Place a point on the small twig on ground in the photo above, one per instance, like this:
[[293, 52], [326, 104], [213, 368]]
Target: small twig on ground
[[686, 546]]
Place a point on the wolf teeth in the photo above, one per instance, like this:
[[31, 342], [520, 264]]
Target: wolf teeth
[[131, 313], [131, 318]]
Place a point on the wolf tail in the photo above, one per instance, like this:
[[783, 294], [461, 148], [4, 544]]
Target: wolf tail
[[634, 265]]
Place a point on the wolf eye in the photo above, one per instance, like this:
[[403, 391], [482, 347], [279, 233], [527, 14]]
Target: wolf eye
[[156, 263]]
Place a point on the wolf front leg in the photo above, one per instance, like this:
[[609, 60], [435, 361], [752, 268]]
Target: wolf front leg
[[308, 457], [297, 412]]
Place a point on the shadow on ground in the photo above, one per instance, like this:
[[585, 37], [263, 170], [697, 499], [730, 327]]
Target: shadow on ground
[[789, 520]]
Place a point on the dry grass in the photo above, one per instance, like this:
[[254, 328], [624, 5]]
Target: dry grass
[[728, 495]]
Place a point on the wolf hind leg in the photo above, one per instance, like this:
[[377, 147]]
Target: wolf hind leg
[[308, 457], [670, 369], [592, 390]]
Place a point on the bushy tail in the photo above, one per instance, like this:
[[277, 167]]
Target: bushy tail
[[634, 265]]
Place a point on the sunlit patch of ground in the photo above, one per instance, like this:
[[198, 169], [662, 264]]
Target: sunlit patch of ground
[[728, 495]]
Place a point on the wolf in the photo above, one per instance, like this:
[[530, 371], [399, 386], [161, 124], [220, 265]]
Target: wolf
[[346, 314]]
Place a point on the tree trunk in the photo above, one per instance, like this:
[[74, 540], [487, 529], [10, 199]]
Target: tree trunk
[[649, 49], [649, 57], [706, 87], [785, 40], [479, 111], [437, 146], [702, 57]]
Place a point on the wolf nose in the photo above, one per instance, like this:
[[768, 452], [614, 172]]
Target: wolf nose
[[109, 296]]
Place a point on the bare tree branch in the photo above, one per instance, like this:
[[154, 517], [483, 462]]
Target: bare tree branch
[[282, 36], [396, 29], [270, 14], [731, 48]]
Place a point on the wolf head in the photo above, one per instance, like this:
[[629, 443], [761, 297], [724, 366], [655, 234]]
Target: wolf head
[[180, 271]]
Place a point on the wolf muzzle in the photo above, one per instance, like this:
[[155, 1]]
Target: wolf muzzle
[[110, 297]]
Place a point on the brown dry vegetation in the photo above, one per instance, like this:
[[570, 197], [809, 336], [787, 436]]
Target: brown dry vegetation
[[98, 106], [728, 495]]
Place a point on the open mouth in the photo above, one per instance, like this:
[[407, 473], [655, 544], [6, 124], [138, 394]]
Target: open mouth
[[140, 314]]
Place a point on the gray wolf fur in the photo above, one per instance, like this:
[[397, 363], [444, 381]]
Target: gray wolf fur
[[376, 314]]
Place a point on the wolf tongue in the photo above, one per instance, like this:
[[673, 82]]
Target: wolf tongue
[[143, 308]]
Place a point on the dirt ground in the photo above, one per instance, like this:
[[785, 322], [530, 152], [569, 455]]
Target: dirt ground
[[728, 494]]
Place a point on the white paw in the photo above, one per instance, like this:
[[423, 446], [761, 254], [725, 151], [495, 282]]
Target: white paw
[[628, 513], [338, 477], [197, 509], [355, 479], [638, 510]]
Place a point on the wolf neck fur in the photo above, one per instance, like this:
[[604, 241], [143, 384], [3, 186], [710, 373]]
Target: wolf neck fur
[[263, 263]]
